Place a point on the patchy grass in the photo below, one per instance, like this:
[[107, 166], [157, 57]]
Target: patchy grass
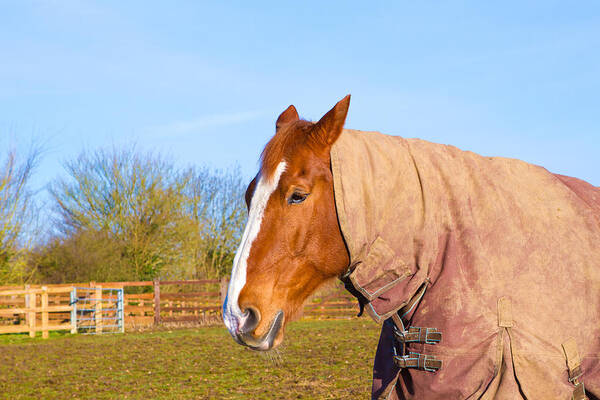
[[318, 360]]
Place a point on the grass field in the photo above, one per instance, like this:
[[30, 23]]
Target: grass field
[[318, 360]]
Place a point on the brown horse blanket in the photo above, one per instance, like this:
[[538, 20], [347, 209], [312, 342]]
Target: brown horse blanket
[[508, 255]]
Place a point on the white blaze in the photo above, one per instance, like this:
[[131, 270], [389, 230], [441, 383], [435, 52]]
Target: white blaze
[[232, 315]]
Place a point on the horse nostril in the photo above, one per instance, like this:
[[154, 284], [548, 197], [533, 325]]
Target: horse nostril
[[251, 320]]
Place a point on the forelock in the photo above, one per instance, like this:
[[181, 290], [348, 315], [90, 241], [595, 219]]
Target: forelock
[[289, 139]]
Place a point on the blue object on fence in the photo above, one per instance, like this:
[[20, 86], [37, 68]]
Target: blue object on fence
[[73, 302], [86, 305], [120, 307]]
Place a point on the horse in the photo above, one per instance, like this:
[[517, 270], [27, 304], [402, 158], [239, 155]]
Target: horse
[[454, 253], [295, 185]]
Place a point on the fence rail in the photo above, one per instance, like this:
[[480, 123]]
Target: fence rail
[[146, 303], [32, 312]]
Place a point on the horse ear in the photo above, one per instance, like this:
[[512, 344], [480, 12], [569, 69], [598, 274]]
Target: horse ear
[[289, 115], [331, 124]]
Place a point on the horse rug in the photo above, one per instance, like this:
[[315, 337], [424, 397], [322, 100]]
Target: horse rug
[[500, 256]]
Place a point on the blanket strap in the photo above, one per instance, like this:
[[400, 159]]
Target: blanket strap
[[414, 334], [418, 361], [574, 368]]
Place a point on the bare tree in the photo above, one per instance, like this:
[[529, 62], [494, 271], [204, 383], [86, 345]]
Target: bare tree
[[217, 201], [16, 213], [127, 214], [135, 199]]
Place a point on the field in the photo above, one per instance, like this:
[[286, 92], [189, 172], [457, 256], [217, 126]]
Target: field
[[318, 360]]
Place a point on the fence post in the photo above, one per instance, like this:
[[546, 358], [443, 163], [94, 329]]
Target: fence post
[[26, 287], [156, 302], [32, 316], [44, 312], [120, 309], [74, 310], [98, 309], [223, 288]]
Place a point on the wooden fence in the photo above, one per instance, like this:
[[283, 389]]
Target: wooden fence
[[150, 303], [16, 303], [188, 301]]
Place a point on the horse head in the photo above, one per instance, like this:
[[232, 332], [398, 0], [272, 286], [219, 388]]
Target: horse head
[[292, 242]]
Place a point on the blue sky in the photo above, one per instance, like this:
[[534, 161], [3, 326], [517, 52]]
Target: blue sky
[[205, 81]]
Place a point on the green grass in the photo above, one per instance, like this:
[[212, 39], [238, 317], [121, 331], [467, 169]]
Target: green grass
[[318, 360]]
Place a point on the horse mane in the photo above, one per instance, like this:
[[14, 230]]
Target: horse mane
[[287, 140]]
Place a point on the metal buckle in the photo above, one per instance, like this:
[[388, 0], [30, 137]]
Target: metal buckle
[[418, 331], [428, 358], [427, 339], [575, 374], [401, 335]]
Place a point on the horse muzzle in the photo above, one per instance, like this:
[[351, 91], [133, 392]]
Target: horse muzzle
[[265, 342]]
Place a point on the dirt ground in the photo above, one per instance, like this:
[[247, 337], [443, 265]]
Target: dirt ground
[[318, 360]]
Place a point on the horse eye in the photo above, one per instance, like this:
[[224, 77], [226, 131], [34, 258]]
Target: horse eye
[[297, 198]]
